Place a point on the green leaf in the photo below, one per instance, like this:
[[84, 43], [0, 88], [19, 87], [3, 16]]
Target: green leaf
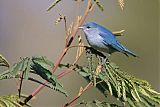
[[110, 88], [39, 65], [124, 91], [53, 4], [43, 67], [123, 86], [17, 68], [22, 66], [151, 90], [98, 103], [43, 62], [146, 103], [142, 91], [3, 61], [11, 101], [134, 95], [6, 75], [27, 69], [131, 102]]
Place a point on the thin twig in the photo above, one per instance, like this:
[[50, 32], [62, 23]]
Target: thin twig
[[20, 85], [65, 25], [118, 33], [79, 94]]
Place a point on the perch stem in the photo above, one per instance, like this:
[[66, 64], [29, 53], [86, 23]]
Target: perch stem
[[40, 87]]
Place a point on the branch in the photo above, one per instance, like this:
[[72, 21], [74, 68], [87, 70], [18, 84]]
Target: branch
[[20, 85], [40, 87], [81, 91]]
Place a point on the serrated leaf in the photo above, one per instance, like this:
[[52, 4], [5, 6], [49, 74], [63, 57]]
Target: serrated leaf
[[151, 90], [89, 105], [6, 75], [10, 101], [142, 91], [111, 77], [125, 87], [110, 88], [58, 88], [3, 61], [44, 73], [154, 100], [43, 62], [27, 69], [22, 66], [138, 104], [146, 102], [98, 103], [124, 91], [131, 103], [39, 82], [157, 97], [134, 95], [17, 68], [43, 67], [39, 65]]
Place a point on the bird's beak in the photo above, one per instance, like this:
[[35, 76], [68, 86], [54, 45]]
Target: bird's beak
[[81, 27]]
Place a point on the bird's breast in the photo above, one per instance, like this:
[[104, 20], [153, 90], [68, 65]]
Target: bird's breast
[[96, 42]]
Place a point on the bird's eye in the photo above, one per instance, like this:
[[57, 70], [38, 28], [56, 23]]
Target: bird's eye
[[88, 27]]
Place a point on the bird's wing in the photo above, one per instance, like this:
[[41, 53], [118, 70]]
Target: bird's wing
[[110, 40]]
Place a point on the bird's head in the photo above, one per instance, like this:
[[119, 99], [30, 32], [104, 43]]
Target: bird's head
[[89, 27]]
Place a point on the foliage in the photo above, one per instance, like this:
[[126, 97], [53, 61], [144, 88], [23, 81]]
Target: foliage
[[3, 61], [124, 87], [11, 101], [37, 65], [108, 78], [96, 103]]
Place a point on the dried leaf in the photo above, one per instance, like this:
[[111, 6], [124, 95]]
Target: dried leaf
[[60, 18], [53, 4], [80, 49], [98, 69], [121, 4], [118, 33], [99, 5], [11, 101], [80, 91]]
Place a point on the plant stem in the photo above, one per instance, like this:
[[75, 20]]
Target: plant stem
[[79, 95], [20, 85], [40, 87], [73, 35]]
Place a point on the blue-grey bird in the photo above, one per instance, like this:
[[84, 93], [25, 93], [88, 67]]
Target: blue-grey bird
[[103, 40]]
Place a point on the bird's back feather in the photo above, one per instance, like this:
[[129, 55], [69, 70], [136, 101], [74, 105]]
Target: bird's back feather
[[111, 41]]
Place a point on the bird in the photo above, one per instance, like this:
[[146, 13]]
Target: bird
[[102, 39]]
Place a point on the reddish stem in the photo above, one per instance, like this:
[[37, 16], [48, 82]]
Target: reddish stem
[[79, 95], [71, 101], [40, 87]]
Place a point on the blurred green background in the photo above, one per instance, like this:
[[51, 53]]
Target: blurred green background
[[27, 29]]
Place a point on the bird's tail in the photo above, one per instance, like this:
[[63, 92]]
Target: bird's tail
[[126, 52]]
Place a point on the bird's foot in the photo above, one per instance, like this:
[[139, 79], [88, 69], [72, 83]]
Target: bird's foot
[[105, 61]]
